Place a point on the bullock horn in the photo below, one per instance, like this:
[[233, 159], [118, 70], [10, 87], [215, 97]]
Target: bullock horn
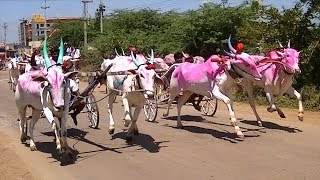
[[60, 57], [134, 60], [230, 45], [280, 44], [45, 55], [123, 52], [115, 50], [229, 54], [289, 43], [184, 55], [152, 57]]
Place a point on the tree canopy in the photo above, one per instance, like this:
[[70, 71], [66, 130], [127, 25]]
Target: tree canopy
[[205, 31]]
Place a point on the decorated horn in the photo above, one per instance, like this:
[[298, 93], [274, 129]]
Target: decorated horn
[[134, 60], [115, 50], [60, 57], [45, 55], [289, 43], [280, 44], [123, 52], [152, 57], [230, 45], [184, 55], [229, 54]]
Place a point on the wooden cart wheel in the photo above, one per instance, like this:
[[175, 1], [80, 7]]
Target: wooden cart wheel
[[151, 110], [151, 106], [209, 106], [93, 111]]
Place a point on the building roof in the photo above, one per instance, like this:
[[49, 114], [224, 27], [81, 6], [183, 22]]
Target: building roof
[[63, 18]]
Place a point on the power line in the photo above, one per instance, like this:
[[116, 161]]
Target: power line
[[161, 4], [149, 4]]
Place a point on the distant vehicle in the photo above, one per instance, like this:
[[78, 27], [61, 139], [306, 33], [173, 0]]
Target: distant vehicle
[[2, 53]]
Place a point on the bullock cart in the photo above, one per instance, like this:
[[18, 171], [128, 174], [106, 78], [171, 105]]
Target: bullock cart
[[206, 105], [88, 100]]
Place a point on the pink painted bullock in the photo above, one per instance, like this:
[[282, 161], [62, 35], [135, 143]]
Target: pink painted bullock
[[45, 90], [208, 79], [136, 82], [278, 73]]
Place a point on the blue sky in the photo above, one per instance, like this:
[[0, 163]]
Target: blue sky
[[13, 10]]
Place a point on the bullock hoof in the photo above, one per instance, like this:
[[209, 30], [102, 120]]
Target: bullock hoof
[[33, 148], [165, 115], [179, 126], [300, 116], [67, 157], [269, 109], [60, 151], [136, 132], [129, 139], [282, 115], [126, 123], [259, 123], [111, 131], [240, 135], [23, 139]]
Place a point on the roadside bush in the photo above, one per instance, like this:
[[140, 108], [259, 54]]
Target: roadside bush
[[90, 61]]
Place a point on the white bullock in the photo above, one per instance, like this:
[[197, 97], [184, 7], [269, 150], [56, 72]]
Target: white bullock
[[136, 82], [14, 73], [45, 90]]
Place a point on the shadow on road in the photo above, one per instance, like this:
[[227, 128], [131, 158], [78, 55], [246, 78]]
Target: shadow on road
[[266, 124], [50, 148], [145, 141], [271, 125], [231, 136], [76, 134], [186, 118]]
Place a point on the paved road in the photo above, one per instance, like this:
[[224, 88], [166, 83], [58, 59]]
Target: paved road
[[205, 149]]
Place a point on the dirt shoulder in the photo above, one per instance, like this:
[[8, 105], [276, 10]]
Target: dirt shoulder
[[11, 166]]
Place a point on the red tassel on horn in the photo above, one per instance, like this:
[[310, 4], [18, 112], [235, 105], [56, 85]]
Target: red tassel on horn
[[150, 66]]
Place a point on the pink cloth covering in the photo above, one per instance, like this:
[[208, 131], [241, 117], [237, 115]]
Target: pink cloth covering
[[26, 82]]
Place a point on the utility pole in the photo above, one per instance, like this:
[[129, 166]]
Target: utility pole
[[85, 24], [23, 25], [5, 27], [102, 8], [45, 7]]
